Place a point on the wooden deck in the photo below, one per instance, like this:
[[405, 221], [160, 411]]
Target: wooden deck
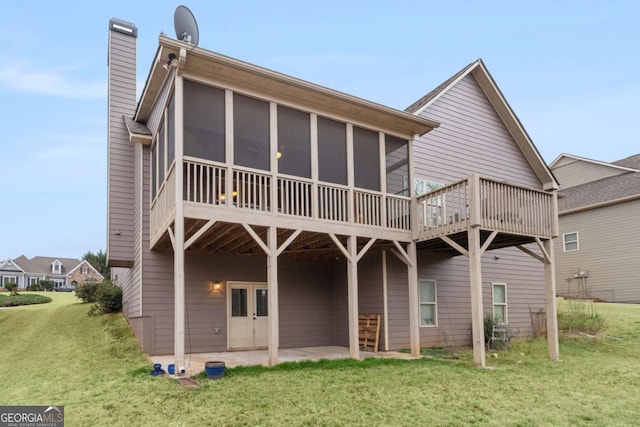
[[519, 215], [232, 196]]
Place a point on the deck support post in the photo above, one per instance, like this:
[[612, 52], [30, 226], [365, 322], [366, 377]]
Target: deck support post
[[477, 313], [272, 284], [414, 315], [352, 284], [178, 229], [550, 296]]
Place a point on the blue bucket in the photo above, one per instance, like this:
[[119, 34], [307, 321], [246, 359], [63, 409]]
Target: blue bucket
[[172, 369], [214, 370]]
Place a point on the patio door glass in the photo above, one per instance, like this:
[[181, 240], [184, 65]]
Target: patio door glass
[[248, 316]]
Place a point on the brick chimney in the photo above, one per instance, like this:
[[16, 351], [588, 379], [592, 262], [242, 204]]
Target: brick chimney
[[120, 156]]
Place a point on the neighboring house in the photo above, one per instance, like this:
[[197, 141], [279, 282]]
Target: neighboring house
[[61, 271], [598, 254], [249, 209]]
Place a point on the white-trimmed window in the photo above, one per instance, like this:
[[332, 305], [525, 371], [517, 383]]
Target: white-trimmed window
[[428, 305], [500, 314], [58, 282], [56, 267], [84, 270], [570, 241], [9, 279], [33, 281]]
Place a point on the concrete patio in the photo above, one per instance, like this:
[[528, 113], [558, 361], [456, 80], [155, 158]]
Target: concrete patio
[[195, 362]]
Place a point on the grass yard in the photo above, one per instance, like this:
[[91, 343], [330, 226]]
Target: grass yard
[[55, 354]]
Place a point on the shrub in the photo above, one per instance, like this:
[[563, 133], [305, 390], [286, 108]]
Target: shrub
[[489, 323], [87, 291], [23, 299], [108, 298], [47, 285], [580, 316], [34, 287], [11, 287]]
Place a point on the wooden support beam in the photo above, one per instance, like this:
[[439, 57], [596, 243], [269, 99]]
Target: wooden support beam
[[352, 292], [178, 248], [487, 242], [455, 246], [288, 241], [545, 253], [550, 297], [338, 243], [477, 313], [385, 300], [273, 300], [530, 253], [257, 238], [199, 233], [171, 237], [401, 253], [414, 314], [364, 250]]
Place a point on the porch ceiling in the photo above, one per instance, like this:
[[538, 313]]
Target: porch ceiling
[[232, 239], [502, 240]]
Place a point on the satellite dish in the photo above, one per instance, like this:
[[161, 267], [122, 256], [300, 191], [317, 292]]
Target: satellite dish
[[186, 25]]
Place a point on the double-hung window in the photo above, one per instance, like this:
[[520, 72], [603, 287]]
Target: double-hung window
[[570, 241], [500, 315], [428, 304]]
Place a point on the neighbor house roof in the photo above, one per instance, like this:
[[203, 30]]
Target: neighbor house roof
[[629, 162], [24, 263], [613, 189], [88, 264], [623, 165], [42, 264], [511, 122], [196, 61]]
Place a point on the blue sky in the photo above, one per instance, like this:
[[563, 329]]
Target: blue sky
[[569, 69]]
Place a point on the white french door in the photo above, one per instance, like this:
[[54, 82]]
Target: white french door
[[248, 315]]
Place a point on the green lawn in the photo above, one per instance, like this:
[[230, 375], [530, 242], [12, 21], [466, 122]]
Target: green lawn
[[55, 354]]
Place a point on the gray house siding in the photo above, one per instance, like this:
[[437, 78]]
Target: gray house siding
[[525, 290], [306, 301], [579, 172], [122, 101], [609, 250], [471, 138]]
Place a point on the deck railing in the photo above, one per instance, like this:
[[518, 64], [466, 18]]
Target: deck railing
[[488, 204], [475, 201], [207, 183]]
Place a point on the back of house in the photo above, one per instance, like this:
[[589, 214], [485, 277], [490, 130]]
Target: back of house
[[249, 209]]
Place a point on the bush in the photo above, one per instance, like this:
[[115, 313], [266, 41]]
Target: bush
[[580, 316], [34, 287], [108, 298], [15, 300], [11, 287], [47, 285], [87, 291]]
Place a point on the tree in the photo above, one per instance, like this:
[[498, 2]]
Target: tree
[[99, 262]]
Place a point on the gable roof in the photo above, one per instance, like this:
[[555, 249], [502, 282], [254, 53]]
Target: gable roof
[[629, 162], [605, 191], [626, 165], [198, 61], [499, 103], [84, 262], [10, 265], [42, 264], [24, 263]]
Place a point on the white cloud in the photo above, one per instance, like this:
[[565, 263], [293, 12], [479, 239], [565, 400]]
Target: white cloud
[[52, 82]]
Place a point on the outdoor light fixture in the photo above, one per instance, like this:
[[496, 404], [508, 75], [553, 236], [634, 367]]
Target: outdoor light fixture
[[216, 287]]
